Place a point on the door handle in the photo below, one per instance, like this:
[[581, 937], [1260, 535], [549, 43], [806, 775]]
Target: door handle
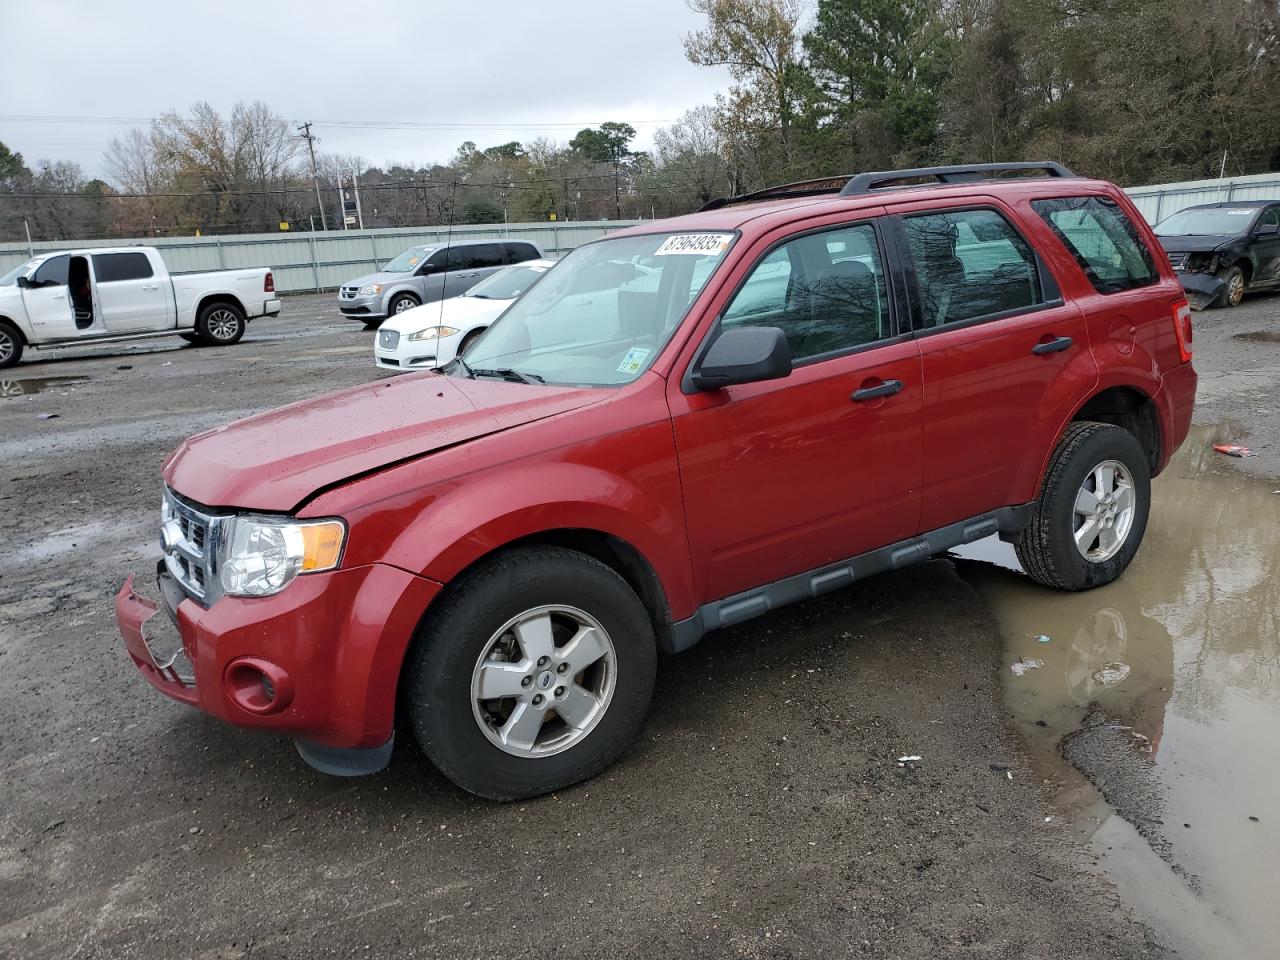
[[886, 389], [58, 296], [1051, 346]]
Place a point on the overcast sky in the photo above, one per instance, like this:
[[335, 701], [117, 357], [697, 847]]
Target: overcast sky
[[546, 67]]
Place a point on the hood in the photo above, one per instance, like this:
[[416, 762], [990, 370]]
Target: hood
[[379, 277], [1195, 243], [275, 460], [462, 312]]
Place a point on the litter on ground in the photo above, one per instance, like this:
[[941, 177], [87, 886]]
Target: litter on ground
[[1234, 450], [1024, 664]]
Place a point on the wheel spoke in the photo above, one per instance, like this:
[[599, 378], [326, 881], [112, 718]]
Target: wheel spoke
[[521, 728], [1086, 502], [578, 706], [1124, 497], [1107, 540], [586, 647], [1105, 476], [500, 679], [1087, 533], [535, 637]]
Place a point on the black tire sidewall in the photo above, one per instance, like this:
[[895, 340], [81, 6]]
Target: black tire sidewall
[[444, 657], [11, 332], [1063, 484], [1224, 299], [468, 340], [202, 325]]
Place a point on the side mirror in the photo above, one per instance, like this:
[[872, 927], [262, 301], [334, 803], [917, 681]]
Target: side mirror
[[426, 268], [1267, 230], [24, 283], [744, 355]]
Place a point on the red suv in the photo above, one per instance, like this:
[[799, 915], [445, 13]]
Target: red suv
[[679, 427]]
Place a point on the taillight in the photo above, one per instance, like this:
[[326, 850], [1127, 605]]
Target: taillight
[[1182, 327], [269, 284]]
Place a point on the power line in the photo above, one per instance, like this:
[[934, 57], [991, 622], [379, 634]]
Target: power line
[[443, 125]]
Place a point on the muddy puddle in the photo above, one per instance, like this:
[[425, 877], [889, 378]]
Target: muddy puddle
[[1156, 710], [30, 385]]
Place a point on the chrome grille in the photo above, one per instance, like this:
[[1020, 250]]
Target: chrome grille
[[387, 339], [189, 538], [347, 293], [1178, 260]]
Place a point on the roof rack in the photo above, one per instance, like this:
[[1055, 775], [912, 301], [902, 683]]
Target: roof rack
[[848, 185], [965, 173]]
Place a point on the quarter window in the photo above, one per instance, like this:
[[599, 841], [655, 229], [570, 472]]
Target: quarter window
[[109, 267], [826, 291], [970, 264], [1103, 240]]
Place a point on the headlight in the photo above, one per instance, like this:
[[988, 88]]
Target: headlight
[[1201, 262], [369, 290], [430, 333], [261, 555]]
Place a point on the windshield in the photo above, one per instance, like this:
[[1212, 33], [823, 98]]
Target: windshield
[[1206, 221], [507, 284], [602, 314], [10, 278], [408, 261]]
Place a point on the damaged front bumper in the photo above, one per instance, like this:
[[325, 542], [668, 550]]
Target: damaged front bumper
[[1201, 288]]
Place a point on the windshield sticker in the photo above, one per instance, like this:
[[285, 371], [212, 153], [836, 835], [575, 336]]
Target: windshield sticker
[[413, 261], [538, 269], [695, 244], [634, 360], [1238, 213]]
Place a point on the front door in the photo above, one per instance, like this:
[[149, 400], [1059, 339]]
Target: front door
[[47, 300], [994, 336], [1266, 245], [789, 475]]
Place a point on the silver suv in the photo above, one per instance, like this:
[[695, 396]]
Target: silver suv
[[426, 274]]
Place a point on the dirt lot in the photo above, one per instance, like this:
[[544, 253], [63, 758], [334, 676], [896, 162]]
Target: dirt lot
[[763, 812]]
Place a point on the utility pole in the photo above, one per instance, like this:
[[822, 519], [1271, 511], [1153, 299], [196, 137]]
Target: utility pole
[[342, 202], [355, 183], [311, 139]]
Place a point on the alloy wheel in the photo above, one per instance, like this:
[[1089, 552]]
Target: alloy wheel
[[223, 324], [544, 681], [405, 304], [7, 346], [1235, 289], [1104, 511]]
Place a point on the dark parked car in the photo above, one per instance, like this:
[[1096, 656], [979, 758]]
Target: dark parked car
[[1236, 243]]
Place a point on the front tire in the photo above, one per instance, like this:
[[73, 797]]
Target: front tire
[[534, 673], [221, 324], [468, 340], [1233, 291], [1092, 512], [402, 302], [10, 345]]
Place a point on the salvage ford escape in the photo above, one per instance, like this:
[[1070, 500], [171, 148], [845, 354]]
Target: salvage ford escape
[[766, 400]]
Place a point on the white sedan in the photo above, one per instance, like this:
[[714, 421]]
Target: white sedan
[[431, 335]]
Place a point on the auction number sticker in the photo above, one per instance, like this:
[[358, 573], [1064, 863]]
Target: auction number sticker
[[634, 360], [695, 244], [1239, 213]]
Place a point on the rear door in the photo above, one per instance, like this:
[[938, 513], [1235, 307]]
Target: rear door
[[789, 475], [470, 263], [995, 338], [131, 297]]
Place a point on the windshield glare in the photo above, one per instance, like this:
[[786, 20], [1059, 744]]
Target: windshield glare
[[408, 261], [602, 314], [1207, 221], [10, 278], [507, 284]]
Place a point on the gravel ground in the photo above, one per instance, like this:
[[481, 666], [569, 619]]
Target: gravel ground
[[762, 813]]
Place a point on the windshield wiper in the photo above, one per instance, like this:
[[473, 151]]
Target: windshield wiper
[[505, 373]]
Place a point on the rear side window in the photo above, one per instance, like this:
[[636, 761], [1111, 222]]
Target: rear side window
[[481, 255], [109, 267], [520, 252], [825, 290], [1103, 240], [970, 264]]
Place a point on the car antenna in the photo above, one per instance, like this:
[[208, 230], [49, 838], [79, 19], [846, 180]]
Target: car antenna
[[448, 242]]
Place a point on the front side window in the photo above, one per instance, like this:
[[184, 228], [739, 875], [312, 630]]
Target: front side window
[[826, 291], [52, 273], [601, 315], [970, 264], [109, 267], [1271, 218], [1103, 240]]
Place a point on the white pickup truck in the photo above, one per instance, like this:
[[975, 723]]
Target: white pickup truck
[[109, 294]]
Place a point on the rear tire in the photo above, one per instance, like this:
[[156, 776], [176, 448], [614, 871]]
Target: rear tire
[[489, 629], [10, 345], [221, 324], [1092, 511], [1233, 291]]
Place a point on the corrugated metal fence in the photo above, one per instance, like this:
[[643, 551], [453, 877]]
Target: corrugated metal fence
[[322, 261]]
